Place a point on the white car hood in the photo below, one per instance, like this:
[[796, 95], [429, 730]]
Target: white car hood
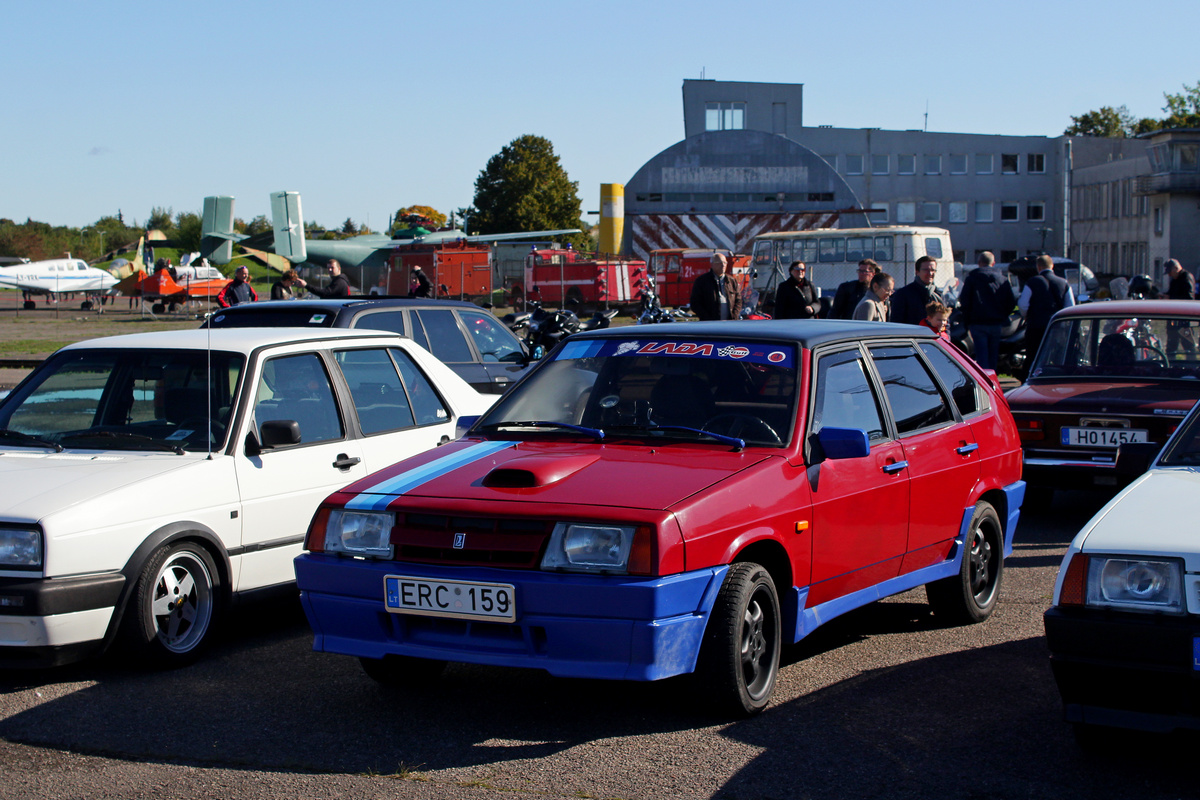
[[1155, 515], [37, 483]]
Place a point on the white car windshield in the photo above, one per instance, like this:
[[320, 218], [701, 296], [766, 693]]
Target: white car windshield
[[692, 389], [124, 399]]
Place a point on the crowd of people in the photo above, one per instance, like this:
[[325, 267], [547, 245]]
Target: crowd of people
[[291, 286], [987, 300]]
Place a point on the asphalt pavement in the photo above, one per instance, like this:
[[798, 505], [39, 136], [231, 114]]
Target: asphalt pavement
[[884, 702]]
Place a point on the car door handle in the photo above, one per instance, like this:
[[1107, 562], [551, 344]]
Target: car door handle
[[346, 462], [443, 440], [967, 448], [895, 467]]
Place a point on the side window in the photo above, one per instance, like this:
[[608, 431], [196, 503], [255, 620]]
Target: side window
[[297, 388], [418, 332], [964, 390], [382, 321], [445, 337], [379, 397], [916, 401], [424, 400], [845, 398], [492, 340]]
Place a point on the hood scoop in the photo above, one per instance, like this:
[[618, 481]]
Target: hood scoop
[[535, 471]]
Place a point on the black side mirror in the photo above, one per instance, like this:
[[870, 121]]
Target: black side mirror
[[280, 433], [1134, 458]]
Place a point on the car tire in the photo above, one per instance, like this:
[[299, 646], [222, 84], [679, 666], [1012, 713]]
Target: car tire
[[402, 671], [970, 596], [170, 615], [739, 657]]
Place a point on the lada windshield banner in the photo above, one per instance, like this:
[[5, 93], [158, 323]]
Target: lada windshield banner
[[777, 354]]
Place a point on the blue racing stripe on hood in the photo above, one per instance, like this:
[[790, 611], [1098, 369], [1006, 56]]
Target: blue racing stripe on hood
[[382, 493]]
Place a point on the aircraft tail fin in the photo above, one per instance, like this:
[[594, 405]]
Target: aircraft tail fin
[[217, 236], [288, 223]]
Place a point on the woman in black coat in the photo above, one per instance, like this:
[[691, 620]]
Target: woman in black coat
[[796, 298]]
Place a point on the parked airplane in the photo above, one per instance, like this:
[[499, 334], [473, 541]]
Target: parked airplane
[[369, 250], [57, 276], [167, 288]]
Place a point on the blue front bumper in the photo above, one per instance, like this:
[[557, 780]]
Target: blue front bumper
[[582, 626]]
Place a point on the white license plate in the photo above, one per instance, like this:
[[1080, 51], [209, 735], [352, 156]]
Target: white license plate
[[403, 594], [1103, 437]]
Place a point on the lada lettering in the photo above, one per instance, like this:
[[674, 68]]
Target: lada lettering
[[677, 349]]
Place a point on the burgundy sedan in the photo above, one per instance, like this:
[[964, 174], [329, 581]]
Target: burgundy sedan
[[1106, 373]]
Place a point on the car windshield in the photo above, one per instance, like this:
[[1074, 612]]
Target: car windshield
[[1119, 347], [125, 399], [681, 388]]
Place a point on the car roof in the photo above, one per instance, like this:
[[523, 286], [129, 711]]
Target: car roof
[[1132, 308], [243, 340], [346, 303], [808, 333]]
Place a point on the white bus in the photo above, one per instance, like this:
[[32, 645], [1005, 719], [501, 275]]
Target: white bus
[[832, 255]]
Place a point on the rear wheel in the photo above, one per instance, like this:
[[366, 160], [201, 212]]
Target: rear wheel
[[402, 671], [174, 604], [970, 596], [739, 659]]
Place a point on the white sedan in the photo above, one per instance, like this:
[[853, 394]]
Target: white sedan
[[1124, 630], [150, 479]]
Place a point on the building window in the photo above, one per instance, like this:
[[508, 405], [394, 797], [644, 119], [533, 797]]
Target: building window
[[1010, 212], [984, 164], [880, 217], [1035, 212], [906, 213], [933, 165], [933, 212], [724, 116], [958, 163], [1158, 220], [906, 165], [1008, 255], [983, 211], [880, 165], [1008, 163], [854, 165], [956, 212], [1035, 163]]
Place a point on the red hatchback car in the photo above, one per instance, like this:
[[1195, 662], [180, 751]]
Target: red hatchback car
[[1106, 373], [653, 501]]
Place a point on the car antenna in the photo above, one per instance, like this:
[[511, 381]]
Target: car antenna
[[208, 391]]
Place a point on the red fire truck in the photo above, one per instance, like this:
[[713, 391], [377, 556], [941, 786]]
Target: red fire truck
[[560, 276], [459, 270], [676, 269]]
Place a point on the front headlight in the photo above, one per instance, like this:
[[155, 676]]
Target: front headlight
[[589, 548], [1135, 584], [360, 533], [20, 548]]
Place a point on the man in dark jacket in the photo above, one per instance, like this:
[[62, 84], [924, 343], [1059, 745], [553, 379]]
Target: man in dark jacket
[[796, 298], [339, 284], [715, 295], [909, 302], [1181, 287], [986, 301], [238, 290], [851, 293], [1043, 295]]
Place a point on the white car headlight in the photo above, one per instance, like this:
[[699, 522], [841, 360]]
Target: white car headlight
[[20, 548], [360, 533], [589, 548], [1135, 584]]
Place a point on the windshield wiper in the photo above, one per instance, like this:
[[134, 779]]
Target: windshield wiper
[[129, 438], [595, 433], [732, 441], [16, 437]]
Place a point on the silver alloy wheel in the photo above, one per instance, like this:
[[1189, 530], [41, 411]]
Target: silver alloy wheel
[[182, 601]]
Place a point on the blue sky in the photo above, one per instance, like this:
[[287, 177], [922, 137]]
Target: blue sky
[[366, 106]]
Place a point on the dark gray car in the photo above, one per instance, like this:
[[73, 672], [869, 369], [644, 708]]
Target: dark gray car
[[467, 338]]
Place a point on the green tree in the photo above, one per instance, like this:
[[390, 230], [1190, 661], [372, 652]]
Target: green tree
[[259, 224], [160, 220], [1182, 109], [524, 188], [188, 225], [437, 218], [348, 227], [1109, 122]]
